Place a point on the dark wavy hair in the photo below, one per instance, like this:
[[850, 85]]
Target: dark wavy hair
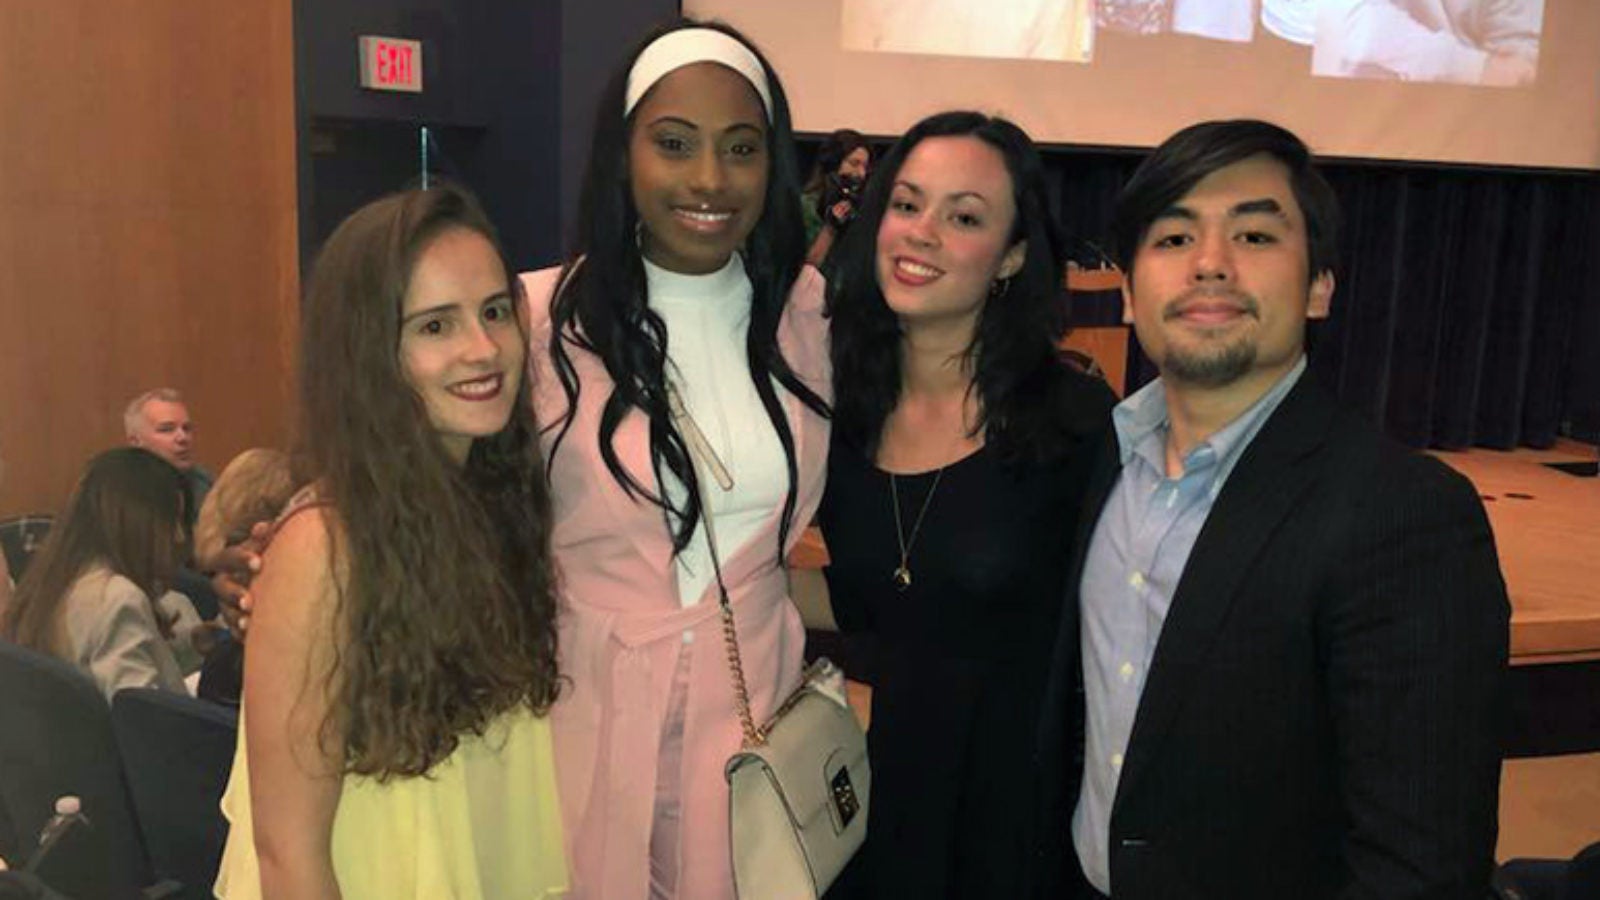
[[124, 513], [1175, 167], [1013, 353], [832, 153], [602, 308], [448, 608]]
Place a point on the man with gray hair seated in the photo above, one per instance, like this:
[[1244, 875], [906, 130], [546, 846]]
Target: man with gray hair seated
[[158, 421]]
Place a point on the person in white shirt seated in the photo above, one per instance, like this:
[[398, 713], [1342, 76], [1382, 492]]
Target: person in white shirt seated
[[96, 594]]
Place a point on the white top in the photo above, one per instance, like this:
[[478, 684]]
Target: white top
[[708, 318]]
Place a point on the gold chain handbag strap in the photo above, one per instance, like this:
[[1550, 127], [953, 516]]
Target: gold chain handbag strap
[[701, 452]]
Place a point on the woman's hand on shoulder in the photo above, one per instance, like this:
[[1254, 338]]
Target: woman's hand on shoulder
[[233, 569]]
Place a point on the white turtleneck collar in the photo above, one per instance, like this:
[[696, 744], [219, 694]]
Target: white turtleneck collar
[[669, 291]]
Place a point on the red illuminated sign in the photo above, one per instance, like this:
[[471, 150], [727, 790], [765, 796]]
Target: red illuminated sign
[[391, 64]]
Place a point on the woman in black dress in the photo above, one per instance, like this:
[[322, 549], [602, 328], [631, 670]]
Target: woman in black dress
[[960, 451]]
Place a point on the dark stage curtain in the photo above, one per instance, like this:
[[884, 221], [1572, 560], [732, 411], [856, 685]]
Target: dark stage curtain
[[1467, 311]]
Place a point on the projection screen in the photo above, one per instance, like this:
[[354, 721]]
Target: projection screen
[[1499, 82]]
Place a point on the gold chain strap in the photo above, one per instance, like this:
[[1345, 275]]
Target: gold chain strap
[[699, 448], [753, 736]]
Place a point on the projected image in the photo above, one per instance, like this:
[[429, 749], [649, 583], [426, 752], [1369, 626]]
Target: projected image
[[1222, 20], [1488, 42], [1057, 30], [1482, 42], [1219, 20]]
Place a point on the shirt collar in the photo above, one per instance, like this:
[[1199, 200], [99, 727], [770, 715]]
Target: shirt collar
[[1141, 424]]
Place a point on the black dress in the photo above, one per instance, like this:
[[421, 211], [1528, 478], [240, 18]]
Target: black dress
[[962, 653]]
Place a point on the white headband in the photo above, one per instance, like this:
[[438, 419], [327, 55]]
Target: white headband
[[687, 46]]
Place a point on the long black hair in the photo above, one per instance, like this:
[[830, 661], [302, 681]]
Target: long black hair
[[1016, 366], [602, 310]]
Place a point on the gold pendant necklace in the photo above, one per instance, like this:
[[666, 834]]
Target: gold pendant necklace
[[902, 572]]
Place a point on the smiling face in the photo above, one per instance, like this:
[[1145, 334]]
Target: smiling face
[[697, 167], [946, 235], [460, 347], [1221, 287]]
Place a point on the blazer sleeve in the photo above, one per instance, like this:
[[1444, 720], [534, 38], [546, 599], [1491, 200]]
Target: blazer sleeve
[[124, 647], [1417, 640]]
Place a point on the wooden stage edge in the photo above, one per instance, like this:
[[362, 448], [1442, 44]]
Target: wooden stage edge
[[1547, 529]]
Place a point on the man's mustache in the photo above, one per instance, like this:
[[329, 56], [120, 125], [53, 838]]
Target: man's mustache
[[1245, 303]]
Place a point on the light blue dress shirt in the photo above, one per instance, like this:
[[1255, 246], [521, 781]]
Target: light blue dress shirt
[[1136, 556]]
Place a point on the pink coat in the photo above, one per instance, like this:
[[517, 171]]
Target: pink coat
[[621, 623]]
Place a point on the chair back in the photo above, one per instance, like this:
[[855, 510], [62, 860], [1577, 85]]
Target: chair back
[[20, 536], [177, 752], [56, 739]]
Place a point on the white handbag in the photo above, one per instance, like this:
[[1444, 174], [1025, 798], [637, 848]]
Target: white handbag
[[798, 788], [797, 794]]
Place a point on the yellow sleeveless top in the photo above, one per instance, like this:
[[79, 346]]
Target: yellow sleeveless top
[[485, 824]]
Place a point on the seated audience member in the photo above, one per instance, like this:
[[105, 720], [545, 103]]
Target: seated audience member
[[833, 191], [5, 566], [393, 738], [1283, 671], [252, 488], [5, 584], [96, 594], [158, 421]]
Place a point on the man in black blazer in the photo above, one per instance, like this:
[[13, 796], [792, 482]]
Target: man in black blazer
[[1286, 675]]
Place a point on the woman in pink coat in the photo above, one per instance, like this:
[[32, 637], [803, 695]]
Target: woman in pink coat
[[688, 281]]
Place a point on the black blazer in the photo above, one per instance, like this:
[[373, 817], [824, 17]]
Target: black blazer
[[1323, 713]]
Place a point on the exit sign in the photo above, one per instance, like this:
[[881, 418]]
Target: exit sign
[[391, 64]]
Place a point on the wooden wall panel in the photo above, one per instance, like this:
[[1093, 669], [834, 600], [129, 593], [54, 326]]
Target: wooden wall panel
[[147, 227]]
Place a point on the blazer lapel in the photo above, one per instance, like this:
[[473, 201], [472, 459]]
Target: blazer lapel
[[632, 443], [1259, 493]]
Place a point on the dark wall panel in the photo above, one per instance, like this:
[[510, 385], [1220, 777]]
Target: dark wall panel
[[491, 97], [596, 36]]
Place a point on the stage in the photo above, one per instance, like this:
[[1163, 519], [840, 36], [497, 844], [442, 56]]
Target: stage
[[1547, 528]]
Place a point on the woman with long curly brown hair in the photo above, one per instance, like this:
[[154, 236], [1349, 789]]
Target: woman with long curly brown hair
[[402, 652]]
